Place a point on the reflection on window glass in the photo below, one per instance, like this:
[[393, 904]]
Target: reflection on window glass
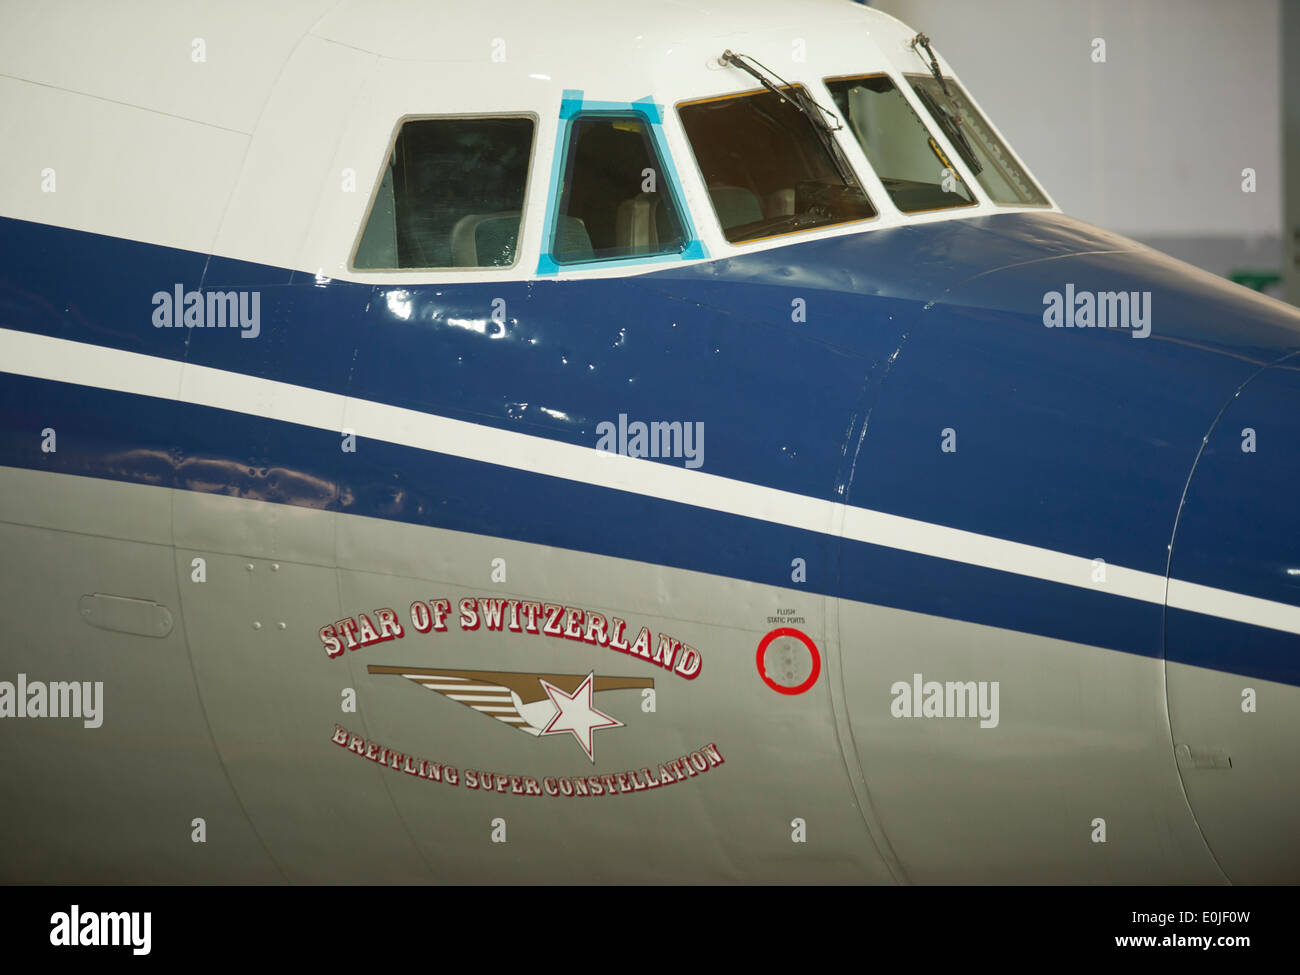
[[767, 169], [613, 200], [452, 195], [916, 173], [1001, 176]]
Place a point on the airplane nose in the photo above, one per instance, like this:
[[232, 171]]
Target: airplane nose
[[1012, 411], [1231, 643], [1196, 394]]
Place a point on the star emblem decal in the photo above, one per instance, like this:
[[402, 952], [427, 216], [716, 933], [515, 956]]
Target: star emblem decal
[[575, 715]]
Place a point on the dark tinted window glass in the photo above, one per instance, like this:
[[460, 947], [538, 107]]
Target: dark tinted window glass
[[907, 158], [768, 170], [452, 195], [613, 199]]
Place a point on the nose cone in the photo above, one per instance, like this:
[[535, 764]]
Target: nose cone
[[1233, 653], [1083, 437]]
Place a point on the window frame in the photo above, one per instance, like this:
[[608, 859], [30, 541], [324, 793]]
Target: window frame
[[1047, 204], [529, 176], [722, 233], [651, 115], [978, 198]]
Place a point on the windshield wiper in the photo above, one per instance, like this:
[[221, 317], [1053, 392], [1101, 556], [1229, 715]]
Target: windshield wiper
[[920, 40], [801, 99], [805, 103], [949, 123], [952, 128]]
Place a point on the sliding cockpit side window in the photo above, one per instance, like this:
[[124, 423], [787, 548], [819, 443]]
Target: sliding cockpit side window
[[916, 172], [767, 169], [1004, 179], [614, 194], [452, 195]]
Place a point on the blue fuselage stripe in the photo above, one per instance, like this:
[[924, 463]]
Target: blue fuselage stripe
[[906, 342]]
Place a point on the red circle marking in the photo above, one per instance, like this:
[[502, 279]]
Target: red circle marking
[[812, 649]]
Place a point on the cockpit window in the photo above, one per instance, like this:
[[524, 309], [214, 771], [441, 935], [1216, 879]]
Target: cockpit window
[[1002, 177], [452, 195], [767, 170], [614, 199], [917, 174]]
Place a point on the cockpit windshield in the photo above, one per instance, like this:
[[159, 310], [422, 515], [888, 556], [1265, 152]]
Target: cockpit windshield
[[1002, 177], [767, 169], [917, 174]]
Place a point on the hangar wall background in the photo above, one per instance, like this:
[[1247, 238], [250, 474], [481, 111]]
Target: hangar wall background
[[1152, 142]]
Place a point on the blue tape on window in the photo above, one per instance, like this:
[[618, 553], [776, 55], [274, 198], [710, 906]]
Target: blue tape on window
[[572, 105], [651, 110], [694, 249]]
